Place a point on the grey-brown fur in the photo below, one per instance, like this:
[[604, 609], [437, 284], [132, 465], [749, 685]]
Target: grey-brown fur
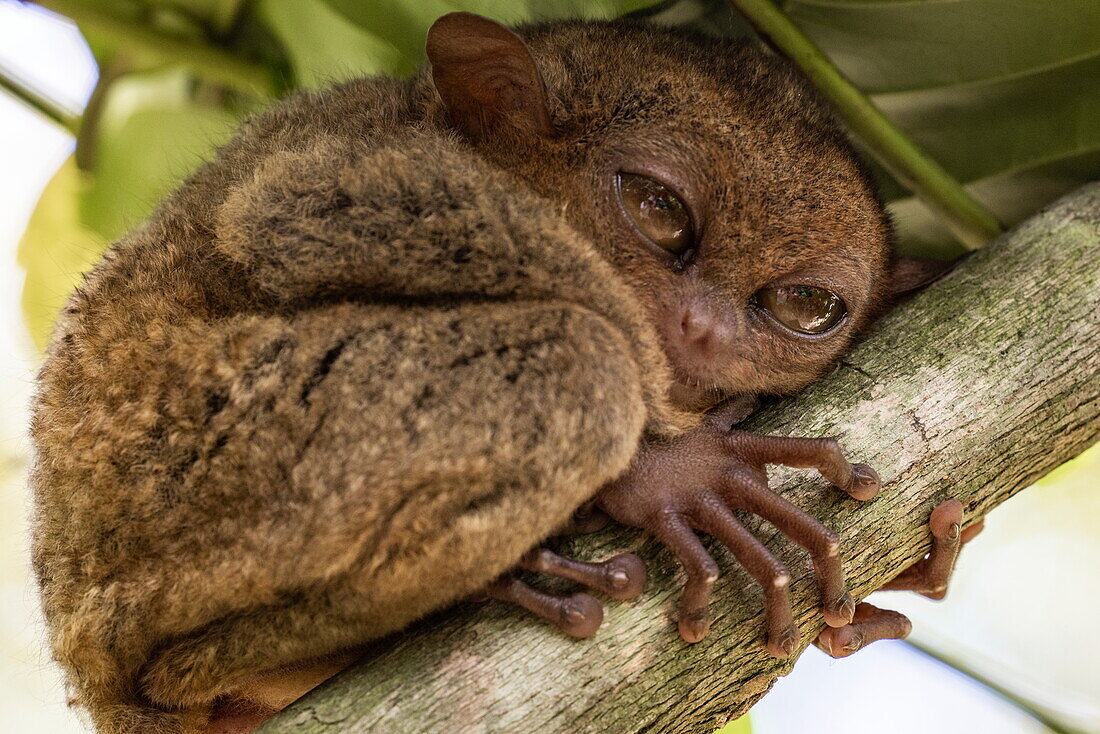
[[356, 366]]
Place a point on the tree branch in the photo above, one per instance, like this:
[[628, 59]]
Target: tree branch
[[974, 389]]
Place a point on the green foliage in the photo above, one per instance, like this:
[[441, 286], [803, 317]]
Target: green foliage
[[1005, 94], [737, 726], [57, 248]]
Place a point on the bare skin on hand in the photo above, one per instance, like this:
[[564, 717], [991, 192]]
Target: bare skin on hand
[[928, 577], [717, 472]]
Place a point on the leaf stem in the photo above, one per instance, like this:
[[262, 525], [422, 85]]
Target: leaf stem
[[39, 102], [968, 220], [1028, 707], [87, 138], [205, 60]]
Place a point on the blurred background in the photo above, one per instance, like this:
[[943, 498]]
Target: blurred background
[[98, 121]]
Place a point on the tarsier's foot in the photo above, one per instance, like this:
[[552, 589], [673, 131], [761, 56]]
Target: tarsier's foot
[[928, 576], [579, 615], [696, 481]]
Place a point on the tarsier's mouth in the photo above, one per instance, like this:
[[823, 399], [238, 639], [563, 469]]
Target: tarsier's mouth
[[693, 394]]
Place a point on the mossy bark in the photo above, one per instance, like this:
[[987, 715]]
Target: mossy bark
[[973, 389]]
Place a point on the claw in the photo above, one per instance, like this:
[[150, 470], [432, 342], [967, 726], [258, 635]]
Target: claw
[[626, 576], [865, 483], [784, 644], [694, 625], [840, 612], [946, 519], [581, 616]]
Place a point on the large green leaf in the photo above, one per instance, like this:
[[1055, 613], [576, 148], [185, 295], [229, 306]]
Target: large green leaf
[[405, 24], [948, 43], [151, 136], [325, 47], [1005, 94], [742, 725], [56, 250]]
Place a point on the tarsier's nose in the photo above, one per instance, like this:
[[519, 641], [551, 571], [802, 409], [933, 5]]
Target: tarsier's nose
[[702, 334]]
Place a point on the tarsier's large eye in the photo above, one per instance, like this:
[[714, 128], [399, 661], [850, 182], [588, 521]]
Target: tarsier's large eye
[[802, 308], [657, 212]]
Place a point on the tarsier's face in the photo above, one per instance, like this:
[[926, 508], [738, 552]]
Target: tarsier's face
[[709, 175], [748, 226], [755, 282]]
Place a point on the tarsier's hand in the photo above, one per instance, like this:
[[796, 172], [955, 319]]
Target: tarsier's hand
[[928, 577], [694, 482]]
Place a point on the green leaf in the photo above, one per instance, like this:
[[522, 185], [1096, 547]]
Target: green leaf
[[325, 47], [218, 14], [151, 136], [947, 43], [55, 250], [737, 726], [405, 24]]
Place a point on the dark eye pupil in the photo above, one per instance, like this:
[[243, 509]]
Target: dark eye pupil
[[802, 308], [656, 211]]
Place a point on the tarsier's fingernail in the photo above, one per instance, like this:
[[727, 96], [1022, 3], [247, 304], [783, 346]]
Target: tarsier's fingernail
[[840, 612], [694, 625], [785, 643], [582, 615]]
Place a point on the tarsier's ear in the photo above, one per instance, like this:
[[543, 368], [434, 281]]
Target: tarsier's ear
[[486, 77], [913, 273]]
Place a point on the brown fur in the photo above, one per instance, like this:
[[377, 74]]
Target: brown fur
[[358, 364]]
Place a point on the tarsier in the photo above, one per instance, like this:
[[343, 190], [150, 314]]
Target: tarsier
[[397, 333]]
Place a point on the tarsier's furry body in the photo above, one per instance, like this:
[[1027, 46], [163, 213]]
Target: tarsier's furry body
[[370, 355]]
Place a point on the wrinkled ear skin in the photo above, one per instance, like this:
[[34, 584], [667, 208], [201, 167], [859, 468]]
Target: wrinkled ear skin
[[911, 274], [486, 78]]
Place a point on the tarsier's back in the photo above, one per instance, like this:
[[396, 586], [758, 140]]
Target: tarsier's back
[[358, 365]]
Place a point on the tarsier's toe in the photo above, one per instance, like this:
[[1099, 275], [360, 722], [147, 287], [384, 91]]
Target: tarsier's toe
[[870, 624], [581, 615], [694, 625], [969, 533], [946, 520], [840, 612], [626, 576], [865, 483], [784, 644], [840, 642]]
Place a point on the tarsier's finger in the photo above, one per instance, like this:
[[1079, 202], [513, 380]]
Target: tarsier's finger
[[715, 518], [824, 454], [929, 576], [801, 527], [702, 572], [869, 623], [579, 615], [620, 577]]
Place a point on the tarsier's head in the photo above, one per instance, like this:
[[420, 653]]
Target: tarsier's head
[[706, 170]]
